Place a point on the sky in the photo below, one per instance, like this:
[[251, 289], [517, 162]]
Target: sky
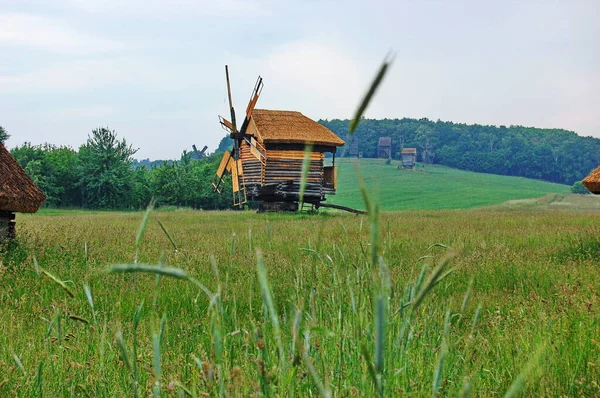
[[153, 70]]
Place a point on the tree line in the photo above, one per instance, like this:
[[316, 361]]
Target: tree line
[[554, 155], [101, 175]]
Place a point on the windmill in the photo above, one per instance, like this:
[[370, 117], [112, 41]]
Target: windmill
[[231, 160], [272, 153], [198, 154]]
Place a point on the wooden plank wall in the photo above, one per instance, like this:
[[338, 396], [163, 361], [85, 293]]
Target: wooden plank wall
[[287, 165], [253, 172]]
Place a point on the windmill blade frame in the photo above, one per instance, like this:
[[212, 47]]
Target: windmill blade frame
[[231, 161], [224, 166], [258, 87]]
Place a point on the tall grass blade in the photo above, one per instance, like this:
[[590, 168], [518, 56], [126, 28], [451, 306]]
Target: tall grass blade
[[79, 319], [103, 345], [305, 167], [88, 295], [36, 266], [123, 350], [60, 283], [163, 324], [436, 276], [268, 300], [144, 223], [59, 331], [232, 247], [183, 390], [156, 362], [39, 378], [363, 190], [167, 234], [157, 279], [465, 391], [519, 382], [467, 297], [323, 391], [370, 93], [90, 300], [379, 333], [171, 272], [476, 317], [372, 371], [437, 379], [437, 376], [137, 317], [215, 269], [19, 364]]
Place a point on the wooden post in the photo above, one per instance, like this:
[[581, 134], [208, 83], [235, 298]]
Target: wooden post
[[7, 226]]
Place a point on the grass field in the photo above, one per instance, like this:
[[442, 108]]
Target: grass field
[[432, 186], [325, 318]]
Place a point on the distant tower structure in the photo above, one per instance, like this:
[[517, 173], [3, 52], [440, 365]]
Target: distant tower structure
[[408, 156], [351, 148], [384, 148]]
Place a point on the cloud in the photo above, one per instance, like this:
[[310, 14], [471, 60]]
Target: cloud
[[50, 34], [81, 75], [72, 76], [169, 9], [318, 79], [82, 112]]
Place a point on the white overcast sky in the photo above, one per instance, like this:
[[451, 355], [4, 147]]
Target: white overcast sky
[[154, 70]]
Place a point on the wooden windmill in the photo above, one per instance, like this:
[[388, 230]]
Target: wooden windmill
[[196, 154], [268, 154]]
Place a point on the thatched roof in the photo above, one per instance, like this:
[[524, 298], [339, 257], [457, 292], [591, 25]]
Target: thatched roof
[[385, 141], [17, 191], [409, 151], [592, 181], [289, 127]]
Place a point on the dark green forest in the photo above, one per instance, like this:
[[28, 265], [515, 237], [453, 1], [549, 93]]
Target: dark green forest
[[554, 155]]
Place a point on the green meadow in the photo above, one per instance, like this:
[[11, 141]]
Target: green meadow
[[431, 186], [191, 303]]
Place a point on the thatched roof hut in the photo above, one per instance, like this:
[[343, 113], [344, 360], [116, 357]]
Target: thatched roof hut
[[592, 181], [18, 193], [290, 127]]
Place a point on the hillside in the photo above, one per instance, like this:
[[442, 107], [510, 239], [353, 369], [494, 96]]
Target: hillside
[[552, 201], [432, 186], [554, 155]]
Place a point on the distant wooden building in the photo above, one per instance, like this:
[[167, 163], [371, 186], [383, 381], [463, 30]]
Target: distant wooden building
[[18, 193], [351, 147], [408, 156], [592, 181], [384, 147]]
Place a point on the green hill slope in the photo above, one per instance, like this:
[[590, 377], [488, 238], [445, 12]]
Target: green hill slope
[[431, 187]]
